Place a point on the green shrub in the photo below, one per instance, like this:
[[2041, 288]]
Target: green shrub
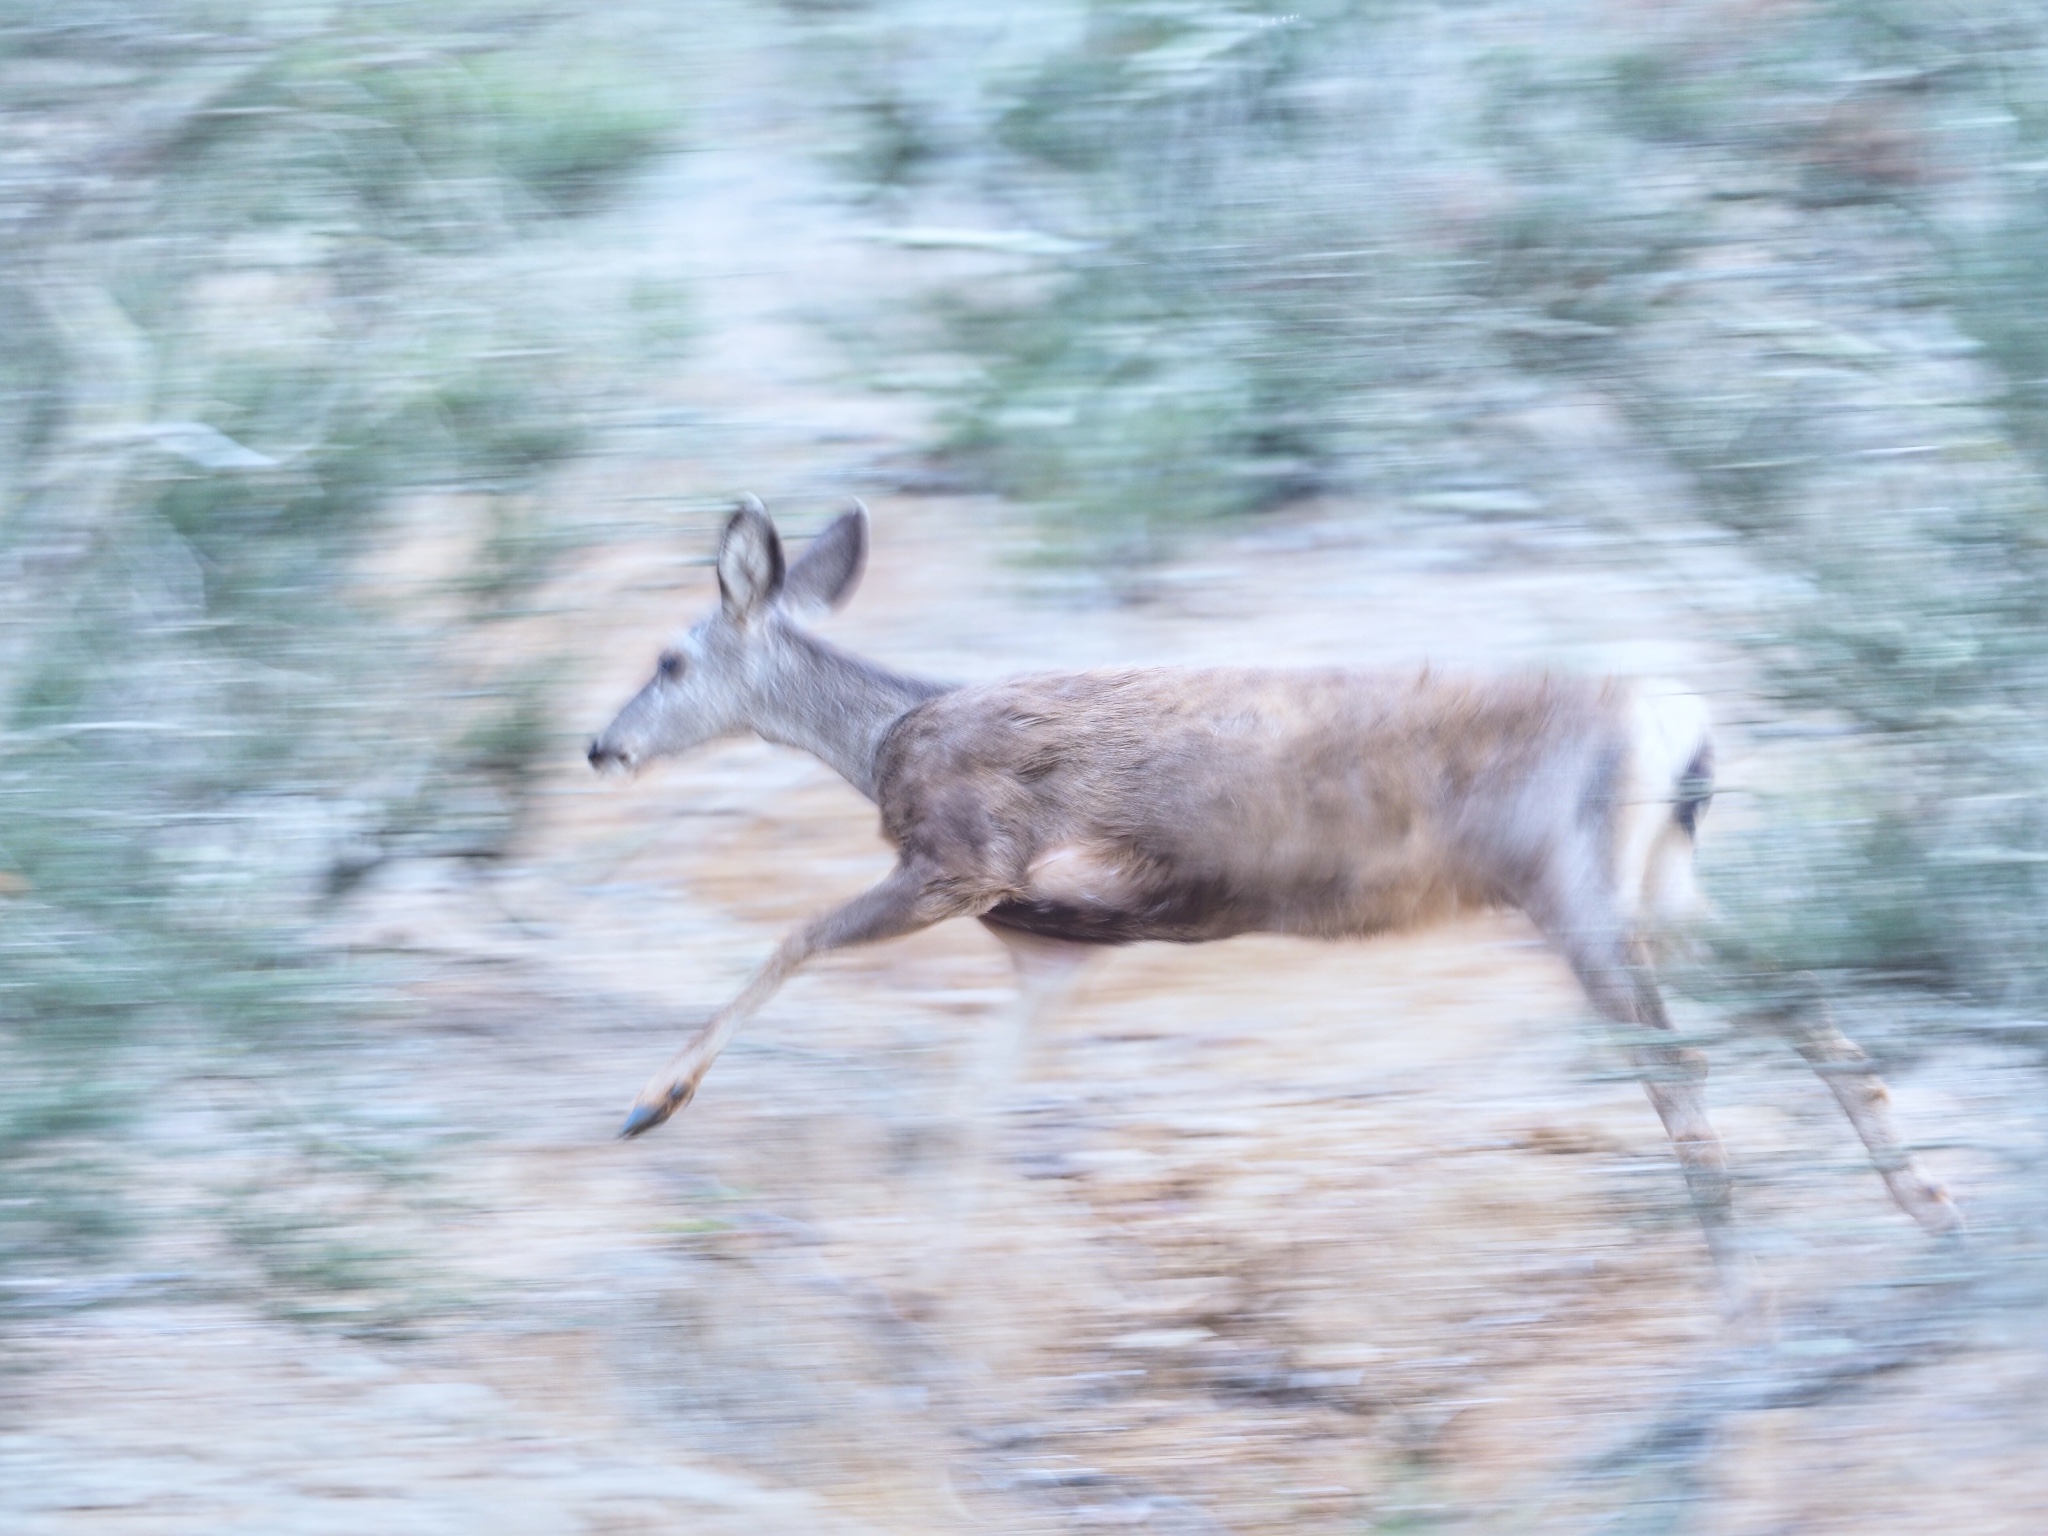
[[264, 332]]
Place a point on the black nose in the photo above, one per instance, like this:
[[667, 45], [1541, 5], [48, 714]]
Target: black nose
[[598, 754]]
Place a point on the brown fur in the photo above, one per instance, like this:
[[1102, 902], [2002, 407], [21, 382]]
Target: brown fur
[[1106, 807]]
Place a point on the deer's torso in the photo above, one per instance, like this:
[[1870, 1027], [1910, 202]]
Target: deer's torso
[[1191, 805]]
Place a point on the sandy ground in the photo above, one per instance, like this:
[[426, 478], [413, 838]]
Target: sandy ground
[[1270, 1236]]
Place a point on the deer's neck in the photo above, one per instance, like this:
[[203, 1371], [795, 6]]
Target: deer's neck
[[838, 708]]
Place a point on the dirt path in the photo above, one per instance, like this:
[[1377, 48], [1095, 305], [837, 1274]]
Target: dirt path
[[1280, 1237]]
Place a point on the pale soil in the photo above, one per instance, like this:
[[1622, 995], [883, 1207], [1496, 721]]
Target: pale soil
[[1272, 1237]]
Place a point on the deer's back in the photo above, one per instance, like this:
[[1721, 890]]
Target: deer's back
[[1168, 804]]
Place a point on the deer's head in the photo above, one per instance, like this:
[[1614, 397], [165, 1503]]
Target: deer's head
[[725, 676]]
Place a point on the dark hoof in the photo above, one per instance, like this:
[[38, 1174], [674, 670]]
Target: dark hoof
[[641, 1119]]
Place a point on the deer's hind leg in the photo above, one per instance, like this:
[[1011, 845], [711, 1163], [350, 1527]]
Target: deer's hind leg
[[1613, 967], [1852, 1078]]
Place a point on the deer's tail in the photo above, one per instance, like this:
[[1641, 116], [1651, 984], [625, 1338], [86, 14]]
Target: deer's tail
[[1673, 761], [1694, 791]]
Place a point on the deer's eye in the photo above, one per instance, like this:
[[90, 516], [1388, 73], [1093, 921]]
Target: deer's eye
[[670, 665]]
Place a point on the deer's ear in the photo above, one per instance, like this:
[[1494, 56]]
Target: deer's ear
[[749, 561], [830, 569]]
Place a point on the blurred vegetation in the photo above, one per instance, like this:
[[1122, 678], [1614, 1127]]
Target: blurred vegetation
[[263, 296], [258, 302], [1797, 257]]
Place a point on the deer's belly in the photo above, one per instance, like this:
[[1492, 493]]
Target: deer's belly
[[1187, 920], [1091, 896]]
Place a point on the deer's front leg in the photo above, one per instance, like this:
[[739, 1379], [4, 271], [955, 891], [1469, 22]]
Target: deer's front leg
[[909, 899]]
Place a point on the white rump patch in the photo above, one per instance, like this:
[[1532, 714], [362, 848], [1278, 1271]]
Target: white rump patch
[[1668, 725]]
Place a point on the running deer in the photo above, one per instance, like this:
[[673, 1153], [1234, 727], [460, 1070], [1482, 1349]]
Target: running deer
[[1070, 811]]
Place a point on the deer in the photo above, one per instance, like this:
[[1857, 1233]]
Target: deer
[[1073, 811]]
